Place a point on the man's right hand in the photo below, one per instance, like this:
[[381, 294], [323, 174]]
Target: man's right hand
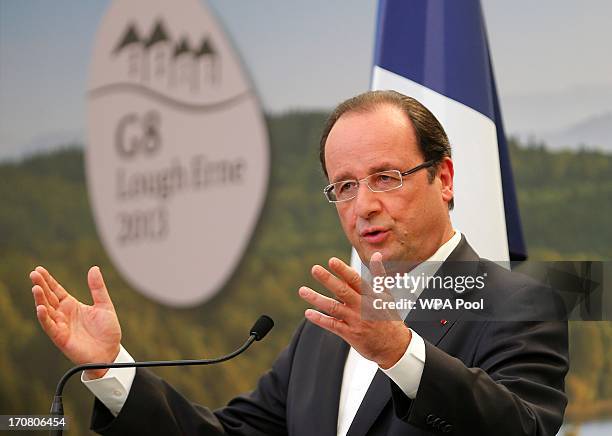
[[85, 334]]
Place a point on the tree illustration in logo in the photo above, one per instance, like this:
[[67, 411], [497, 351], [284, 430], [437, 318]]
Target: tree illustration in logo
[[157, 60]]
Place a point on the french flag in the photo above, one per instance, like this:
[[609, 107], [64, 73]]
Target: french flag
[[437, 52]]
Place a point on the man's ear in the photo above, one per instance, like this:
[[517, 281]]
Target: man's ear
[[446, 173]]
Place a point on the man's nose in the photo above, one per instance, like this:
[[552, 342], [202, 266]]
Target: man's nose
[[367, 202]]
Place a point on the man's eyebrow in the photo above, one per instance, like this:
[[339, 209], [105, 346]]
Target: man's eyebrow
[[383, 166]]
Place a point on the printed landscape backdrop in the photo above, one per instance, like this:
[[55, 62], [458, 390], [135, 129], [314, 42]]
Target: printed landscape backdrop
[[564, 186]]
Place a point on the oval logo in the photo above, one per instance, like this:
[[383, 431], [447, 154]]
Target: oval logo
[[177, 159]]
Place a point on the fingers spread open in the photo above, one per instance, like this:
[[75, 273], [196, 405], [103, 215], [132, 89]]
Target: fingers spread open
[[346, 273], [376, 265], [329, 323], [377, 270], [328, 305], [40, 299], [340, 288], [50, 297], [53, 284], [97, 287], [48, 325]]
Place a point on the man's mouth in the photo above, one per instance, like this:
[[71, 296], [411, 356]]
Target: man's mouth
[[374, 235]]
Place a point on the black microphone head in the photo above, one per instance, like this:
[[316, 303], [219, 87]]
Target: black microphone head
[[261, 327]]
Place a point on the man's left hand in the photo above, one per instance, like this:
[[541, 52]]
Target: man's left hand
[[383, 342]]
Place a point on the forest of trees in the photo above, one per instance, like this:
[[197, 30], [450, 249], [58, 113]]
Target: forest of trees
[[564, 200]]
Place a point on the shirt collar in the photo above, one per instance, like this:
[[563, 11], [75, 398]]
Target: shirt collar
[[446, 249]]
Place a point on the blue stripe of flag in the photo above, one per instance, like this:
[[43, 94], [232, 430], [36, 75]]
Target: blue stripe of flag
[[443, 46]]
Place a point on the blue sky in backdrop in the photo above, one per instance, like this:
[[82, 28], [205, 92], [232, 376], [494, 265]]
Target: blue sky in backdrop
[[551, 60]]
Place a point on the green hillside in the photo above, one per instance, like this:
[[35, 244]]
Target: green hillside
[[45, 219]]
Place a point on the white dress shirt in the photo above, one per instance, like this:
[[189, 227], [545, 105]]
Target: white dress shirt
[[114, 387], [406, 373]]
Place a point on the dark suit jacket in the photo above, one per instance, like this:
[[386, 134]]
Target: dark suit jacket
[[479, 378]]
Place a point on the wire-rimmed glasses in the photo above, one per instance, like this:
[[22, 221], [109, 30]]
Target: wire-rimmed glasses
[[382, 181]]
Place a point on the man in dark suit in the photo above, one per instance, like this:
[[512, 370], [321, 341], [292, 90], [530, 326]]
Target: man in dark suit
[[391, 178]]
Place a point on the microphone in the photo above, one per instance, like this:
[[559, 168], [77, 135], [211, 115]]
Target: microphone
[[261, 327], [259, 330]]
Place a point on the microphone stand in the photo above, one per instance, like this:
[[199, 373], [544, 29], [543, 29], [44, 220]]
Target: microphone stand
[[258, 331]]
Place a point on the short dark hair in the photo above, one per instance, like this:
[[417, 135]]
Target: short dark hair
[[430, 135]]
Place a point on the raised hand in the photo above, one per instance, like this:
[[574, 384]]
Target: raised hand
[[85, 334], [382, 338]]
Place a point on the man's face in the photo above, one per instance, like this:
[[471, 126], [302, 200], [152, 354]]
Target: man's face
[[406, 224]]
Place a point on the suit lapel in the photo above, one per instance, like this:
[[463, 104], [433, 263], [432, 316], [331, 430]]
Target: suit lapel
[[379, 392], [327, 394], [377, 396], [432, 326]]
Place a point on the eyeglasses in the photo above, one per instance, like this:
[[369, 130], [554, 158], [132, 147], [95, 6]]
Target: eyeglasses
[[378, 182]]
